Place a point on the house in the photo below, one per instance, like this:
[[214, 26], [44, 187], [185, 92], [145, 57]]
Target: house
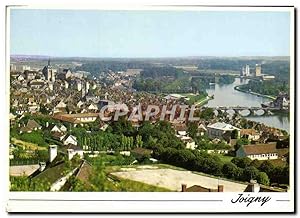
[[79, 104], [103, 127], [58, 135], [29, 74], [65, 74], [70, 139], [37, 84], [21, 77], [12, 117], [250, 134], [90, 97], [56, 171], [31, 125], [282, 101], [189, 142], [63, 128], [61, 104], [60, 107], [55, 129], [93, 107], [84, 173], [74, 150], [201, 129], [258, 151], [77, 118], [105, 102], [221, 131]]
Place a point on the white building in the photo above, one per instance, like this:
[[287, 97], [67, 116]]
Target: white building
[[258, 151], [257, 70], [245, 71], [250, 134], [268, 77], [218, 130], [70, 140], [57, 129], [79, 86], [73, 150], [93, 107], [87, 87]]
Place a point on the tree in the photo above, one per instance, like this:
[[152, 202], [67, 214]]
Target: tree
[[241, 162], [139, 141], [42, 155], [240, 142], [23, 183], [44, 110], [192, 129], [231, 171], [250, 173], [234, 134], [255, 163], [263, 178], [207, 114], [146, 131], [123, 126], [267, 167]]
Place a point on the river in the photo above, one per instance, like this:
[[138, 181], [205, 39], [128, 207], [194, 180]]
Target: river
[[226, 95]]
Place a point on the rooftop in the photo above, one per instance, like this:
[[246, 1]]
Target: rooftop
[[222, 126], [260, 148]]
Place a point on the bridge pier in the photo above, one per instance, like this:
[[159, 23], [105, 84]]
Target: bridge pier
[[238, 110]]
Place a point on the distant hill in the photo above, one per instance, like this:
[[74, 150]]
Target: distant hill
[[28, 57]]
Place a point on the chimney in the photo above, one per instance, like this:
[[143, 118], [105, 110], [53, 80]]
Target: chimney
[[70, 153], [42, 166], [183, 187], [52, 152], [220, 188], [254, 186]]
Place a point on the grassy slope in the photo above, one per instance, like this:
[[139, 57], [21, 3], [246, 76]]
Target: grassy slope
[[28, 145]]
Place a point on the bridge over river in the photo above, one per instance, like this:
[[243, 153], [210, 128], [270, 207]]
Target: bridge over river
[[258, 111]]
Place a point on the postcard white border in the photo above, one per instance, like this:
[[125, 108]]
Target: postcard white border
[[157, 202]]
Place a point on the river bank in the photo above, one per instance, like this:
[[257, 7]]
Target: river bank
[[228, 95], [254, 93], [204, 101]]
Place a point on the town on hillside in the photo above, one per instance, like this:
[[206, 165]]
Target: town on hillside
[[61, 141]]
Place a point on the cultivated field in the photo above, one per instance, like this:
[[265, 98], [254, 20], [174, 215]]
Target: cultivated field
[[172, 179]]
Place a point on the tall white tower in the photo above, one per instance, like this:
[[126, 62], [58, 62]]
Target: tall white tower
[[87, 87], [247, 70]]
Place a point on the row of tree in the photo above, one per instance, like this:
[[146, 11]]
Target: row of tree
[[272, 87], [109, 141], [241, 169]]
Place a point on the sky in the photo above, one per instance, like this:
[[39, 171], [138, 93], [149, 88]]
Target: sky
[[92, 33]]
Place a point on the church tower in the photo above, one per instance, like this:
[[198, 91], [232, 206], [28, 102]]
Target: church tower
[[48, 72]]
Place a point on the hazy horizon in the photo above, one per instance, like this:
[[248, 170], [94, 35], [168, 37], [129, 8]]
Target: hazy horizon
[[186, 57]]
